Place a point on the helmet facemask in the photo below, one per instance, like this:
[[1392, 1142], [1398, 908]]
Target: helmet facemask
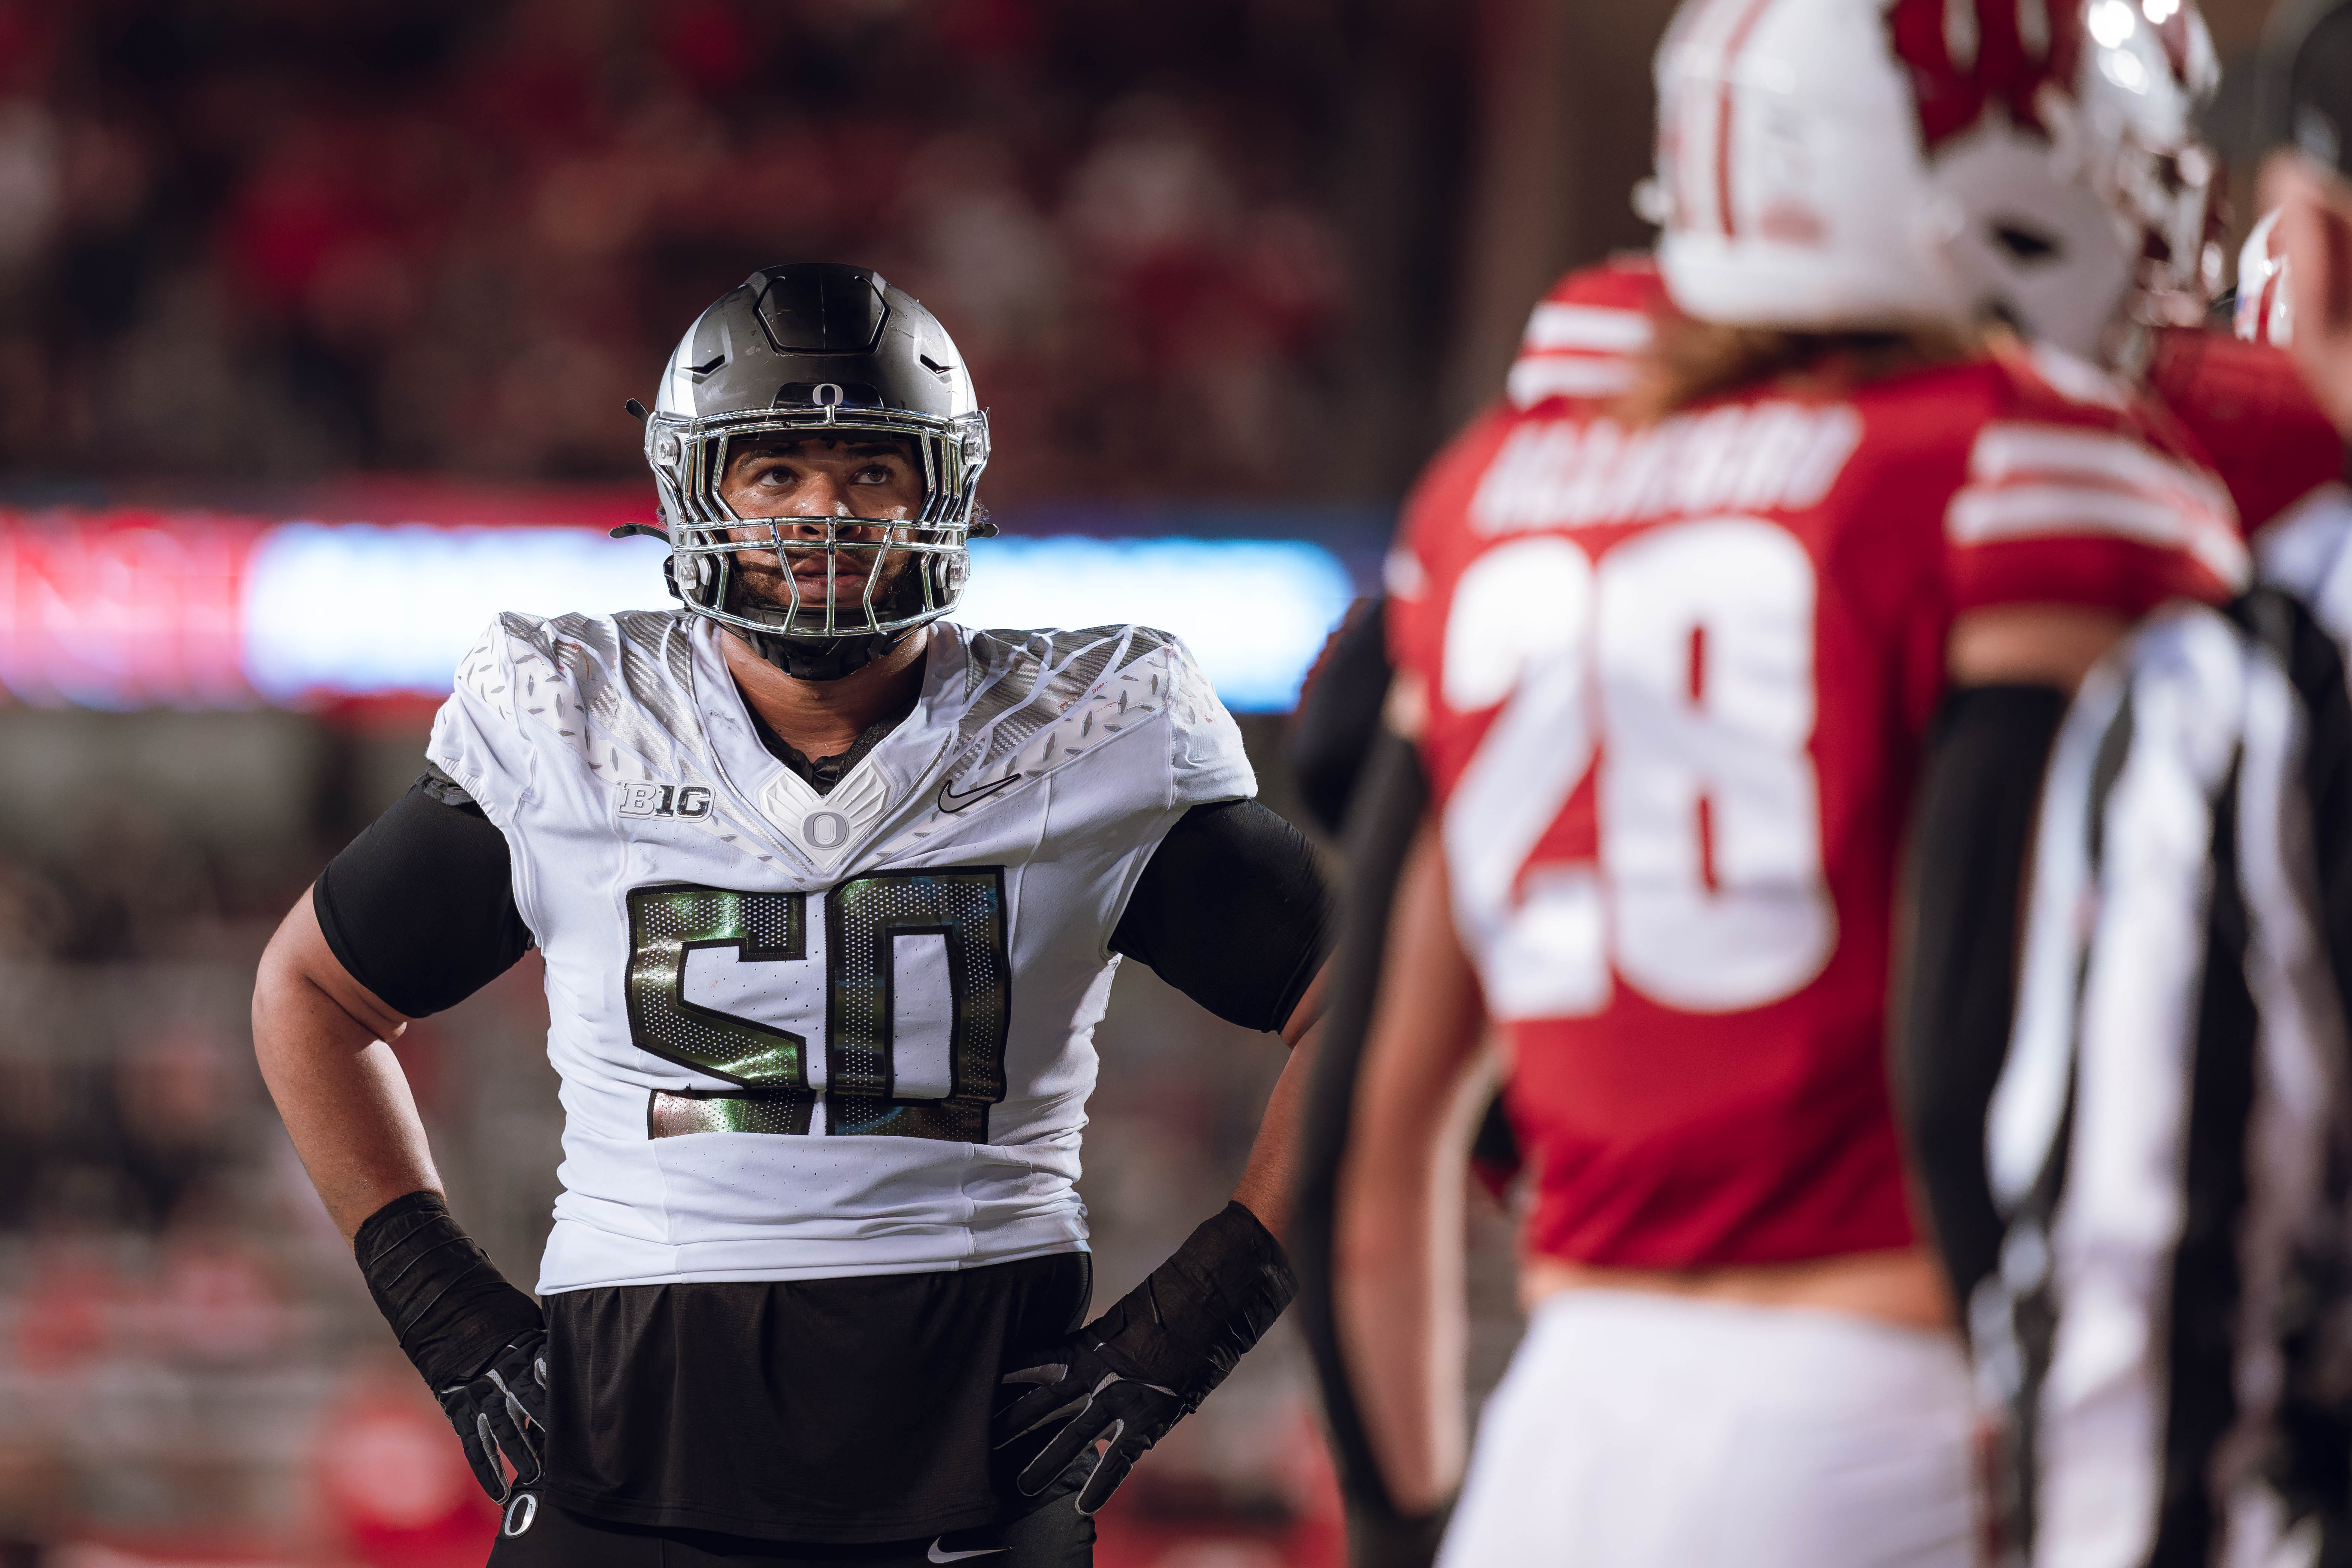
[[2128, 128], [883, 575]]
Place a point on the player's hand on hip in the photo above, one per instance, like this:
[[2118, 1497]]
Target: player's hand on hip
[[1132, 1373], [479, 1343], [502, 1411], [1095, 1394]]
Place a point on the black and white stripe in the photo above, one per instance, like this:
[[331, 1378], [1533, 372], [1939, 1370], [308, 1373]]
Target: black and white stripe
[[2166, 1142]]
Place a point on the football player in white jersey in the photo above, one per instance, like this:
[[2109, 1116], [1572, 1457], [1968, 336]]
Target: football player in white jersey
[[829, 891]]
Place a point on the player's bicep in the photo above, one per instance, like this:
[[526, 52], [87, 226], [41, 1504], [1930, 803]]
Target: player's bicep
[[2050, 645], [1429, 1015], [1233, 911], [420, 909], [296, 970]]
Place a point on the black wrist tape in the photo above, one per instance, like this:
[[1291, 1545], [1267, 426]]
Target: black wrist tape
[[449, 1305], [1200, 1312]]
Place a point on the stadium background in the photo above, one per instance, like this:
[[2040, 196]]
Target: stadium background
[[315, 326]]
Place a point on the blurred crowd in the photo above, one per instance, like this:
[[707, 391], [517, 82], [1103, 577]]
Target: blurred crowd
[[255, 239], [179, 1334]]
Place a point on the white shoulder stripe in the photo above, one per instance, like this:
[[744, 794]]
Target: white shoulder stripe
[[2013, 450], [2022, 511], [1589, 327], [1536, 378], [2032, 481]]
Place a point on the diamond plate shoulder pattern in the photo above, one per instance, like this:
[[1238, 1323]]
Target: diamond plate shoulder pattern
[[1026, 681], [619, 691], [483, 673], [1042, 698]]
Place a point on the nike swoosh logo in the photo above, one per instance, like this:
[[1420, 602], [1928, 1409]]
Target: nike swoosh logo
[[951, 802], [936, 1555]]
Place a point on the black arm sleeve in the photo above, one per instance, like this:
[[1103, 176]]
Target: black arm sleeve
[[1379, 837], [1339, 717], [1956, 977], [420, 908], [1232, 911]]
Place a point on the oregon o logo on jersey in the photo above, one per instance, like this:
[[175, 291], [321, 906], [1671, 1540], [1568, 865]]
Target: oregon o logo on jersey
[[917, 995]]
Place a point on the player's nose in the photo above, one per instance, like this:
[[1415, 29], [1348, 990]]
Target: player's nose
[[823, 496]]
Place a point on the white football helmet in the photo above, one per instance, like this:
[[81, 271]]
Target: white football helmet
[[1843, 164]]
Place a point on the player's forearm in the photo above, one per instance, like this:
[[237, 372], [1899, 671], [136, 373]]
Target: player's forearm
[[1271, 1174], [1398, 1266], [341, 1093], [1398, 1301]]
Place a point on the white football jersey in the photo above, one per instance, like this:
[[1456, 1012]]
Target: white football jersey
[[807, 1036]]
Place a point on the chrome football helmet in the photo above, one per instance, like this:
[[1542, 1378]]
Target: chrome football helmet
[[818, 349]]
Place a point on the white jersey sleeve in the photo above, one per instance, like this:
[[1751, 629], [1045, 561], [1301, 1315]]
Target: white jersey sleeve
[[475, 738], [1206, 762]]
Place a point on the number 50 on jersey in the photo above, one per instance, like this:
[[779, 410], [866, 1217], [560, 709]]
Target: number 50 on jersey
[[912, 992]]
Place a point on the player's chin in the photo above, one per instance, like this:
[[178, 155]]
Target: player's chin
[[769, 590]]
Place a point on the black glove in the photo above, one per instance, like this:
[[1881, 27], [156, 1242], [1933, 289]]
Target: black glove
[[1132, 1373], [480, 1342], [501, 1410]]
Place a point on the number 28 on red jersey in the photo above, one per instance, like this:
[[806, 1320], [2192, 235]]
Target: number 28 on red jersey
[[1706, 803], [1677, 678]]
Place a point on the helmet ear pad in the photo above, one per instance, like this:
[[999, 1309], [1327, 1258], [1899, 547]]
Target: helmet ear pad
[[810, 659]]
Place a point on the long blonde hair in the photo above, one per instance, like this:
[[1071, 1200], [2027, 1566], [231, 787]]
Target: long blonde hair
[[1690, 361]]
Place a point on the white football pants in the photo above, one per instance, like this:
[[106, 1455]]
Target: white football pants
[[1636, 1430]]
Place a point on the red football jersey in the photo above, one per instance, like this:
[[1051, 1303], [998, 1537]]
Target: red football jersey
[[1677, 678], [2256, 423]]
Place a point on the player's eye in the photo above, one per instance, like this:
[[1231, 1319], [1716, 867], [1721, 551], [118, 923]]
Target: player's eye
[[873, 473]]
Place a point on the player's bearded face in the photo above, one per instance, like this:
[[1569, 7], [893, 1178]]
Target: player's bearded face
[[814, 478]]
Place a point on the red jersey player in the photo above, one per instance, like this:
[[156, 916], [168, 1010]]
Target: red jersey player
[[1672, 662]]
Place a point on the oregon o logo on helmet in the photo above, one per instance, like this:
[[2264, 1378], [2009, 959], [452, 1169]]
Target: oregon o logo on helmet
[[817, 394]]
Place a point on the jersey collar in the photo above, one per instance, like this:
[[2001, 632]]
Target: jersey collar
[[827, 831]]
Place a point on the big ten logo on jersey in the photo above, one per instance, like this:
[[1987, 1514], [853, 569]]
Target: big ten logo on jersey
[[1750, 456], [877, 1007], [1675, 674], [689, 802]]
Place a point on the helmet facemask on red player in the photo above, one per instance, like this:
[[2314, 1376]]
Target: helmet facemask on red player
[[1853, 165]]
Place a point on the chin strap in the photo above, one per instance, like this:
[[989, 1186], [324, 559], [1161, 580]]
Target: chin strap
[[810, 658]]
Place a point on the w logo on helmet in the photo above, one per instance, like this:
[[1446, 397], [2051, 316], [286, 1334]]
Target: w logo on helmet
[[1832, 165]]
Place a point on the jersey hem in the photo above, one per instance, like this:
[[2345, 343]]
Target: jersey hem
[[761, 1527], [1779, 1257], [821, 1271]]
